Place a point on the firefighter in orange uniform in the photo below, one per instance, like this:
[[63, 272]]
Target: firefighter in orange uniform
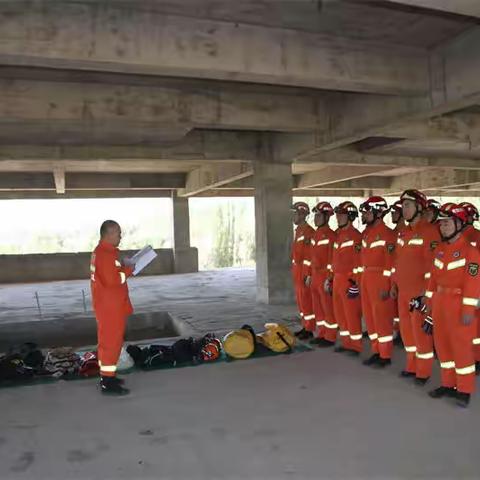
[[111, 304], [301, 262], [321, 259], [453, 295], [413, 261], [398, 229], [473, 236], [346, 293], [378, 247]]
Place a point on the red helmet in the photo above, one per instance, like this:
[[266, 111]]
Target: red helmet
[[452, 210], [301, 207], [472, 210], [418, 197], [431, 203], [323, 207], [347, 208], [375, 204], [397, 206]]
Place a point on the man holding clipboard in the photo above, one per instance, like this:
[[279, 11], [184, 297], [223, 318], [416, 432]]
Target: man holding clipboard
[[111, 302]]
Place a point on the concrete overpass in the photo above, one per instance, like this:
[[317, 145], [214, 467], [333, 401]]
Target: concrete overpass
[[192, 98]]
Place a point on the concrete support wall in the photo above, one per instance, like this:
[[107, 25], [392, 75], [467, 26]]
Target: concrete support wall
[[273, 232], [76, 266], [185, 259]]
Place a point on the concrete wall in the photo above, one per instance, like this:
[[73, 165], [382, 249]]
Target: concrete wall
[[76, 266]]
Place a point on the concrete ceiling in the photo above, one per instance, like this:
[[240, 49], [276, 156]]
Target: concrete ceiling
[[129, 98]]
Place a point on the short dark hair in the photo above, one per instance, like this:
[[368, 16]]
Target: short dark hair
[[106, 226]]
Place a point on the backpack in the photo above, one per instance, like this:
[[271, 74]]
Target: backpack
[[277, 338], [239, 344]]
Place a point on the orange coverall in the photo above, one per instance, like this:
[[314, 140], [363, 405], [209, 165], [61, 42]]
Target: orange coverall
[[320, 269], [378, 248], [345, 263], [301, 246], [473, 236], [413, 263], [454, 291], [111, 303], [398, 231]]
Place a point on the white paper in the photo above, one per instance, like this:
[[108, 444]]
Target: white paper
[[143, 258]]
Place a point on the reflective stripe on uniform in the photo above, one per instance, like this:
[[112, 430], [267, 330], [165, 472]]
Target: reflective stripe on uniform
[[400, 242], [438, 263], [470, 302], [313, 242], [321, 323], [373, 336], [429, 294], [476, 341], [300, 239], [387, 273], [108, 368], [447, 365], [474, 244], [396, 320], [393, 270], [344, 333], [465, 371], [323, 242], [117, 263], [123, 277], [378, 243], [329, 267], [307, 263], [425, 356], [356, 337], [364, 244], [457, 264], [331, 325], [335, 245], [415, 241], [360, 270], [410, 349], [428, 275], [388, 338], [92, 268], [309, 317], [347, 244]]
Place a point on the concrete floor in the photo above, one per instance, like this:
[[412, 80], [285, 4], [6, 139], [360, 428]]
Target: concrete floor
[[315, 415]]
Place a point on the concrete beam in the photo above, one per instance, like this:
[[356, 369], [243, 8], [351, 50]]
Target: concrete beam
[[469, 8], [333, 174], [91, 181], [51, 194], [59, 177], [209, 177], [94, 36], [62, 113]]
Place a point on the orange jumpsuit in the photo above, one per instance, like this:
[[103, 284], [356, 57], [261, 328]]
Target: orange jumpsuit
[[413, 262], [301, 246], [473, 236], [378, 248], [111, 303], [322, 302], [398, 231], [454, 291], [345, 263]]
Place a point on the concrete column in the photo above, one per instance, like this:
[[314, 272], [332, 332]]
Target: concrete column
[[273, 231], [185, 258]]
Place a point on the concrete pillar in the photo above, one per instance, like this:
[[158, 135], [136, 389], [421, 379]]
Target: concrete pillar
[[273, 231], [185, 258]]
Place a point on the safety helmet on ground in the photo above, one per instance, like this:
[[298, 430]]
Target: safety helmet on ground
[[347, 208], [323, 207], [301, 207], [415, 195], [472, 210]]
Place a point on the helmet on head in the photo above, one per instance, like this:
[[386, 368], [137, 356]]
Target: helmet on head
[[377, 205], [472, 210], [415, 195], [396, 206], [452, 210], [301, 207], [323, 207], [347, 208]]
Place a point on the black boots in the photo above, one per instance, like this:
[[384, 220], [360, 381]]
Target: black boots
[[441, 392], [405, 374], [304, 334], [323, 343], [421, 381], [382, 363], [373, 359], [113, 386], [463, 399]]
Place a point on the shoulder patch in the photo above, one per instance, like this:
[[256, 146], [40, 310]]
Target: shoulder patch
[[473, 269]]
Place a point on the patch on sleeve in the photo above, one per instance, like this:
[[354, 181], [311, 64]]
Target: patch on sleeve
[[433, 245], [473, 269], [390, 248], [358, 247]]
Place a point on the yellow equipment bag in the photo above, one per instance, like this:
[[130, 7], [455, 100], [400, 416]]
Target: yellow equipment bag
[[277, 338], [239, 344]]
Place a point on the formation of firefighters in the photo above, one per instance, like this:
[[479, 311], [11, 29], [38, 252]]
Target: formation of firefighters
[[420, 280]]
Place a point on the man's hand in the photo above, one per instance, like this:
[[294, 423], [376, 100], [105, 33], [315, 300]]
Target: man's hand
[[467, 319], [353, 291], [394, 291], [308, 280], [128, 262]]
